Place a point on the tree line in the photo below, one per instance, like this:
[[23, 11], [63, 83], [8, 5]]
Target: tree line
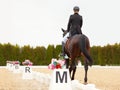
[[102, 55]]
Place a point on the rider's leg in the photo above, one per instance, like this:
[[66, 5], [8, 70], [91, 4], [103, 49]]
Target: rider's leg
[[65, 38], [63, 50]]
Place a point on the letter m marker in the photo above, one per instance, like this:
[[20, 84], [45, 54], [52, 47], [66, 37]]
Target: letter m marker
[[62, 77]]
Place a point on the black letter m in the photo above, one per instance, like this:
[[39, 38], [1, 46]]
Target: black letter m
[[58, 76]]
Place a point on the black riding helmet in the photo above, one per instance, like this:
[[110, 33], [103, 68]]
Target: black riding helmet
[[76, 8]]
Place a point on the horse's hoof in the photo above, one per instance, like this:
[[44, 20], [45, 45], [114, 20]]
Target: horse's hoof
[[90, 64], [72, 78], [85, 83]]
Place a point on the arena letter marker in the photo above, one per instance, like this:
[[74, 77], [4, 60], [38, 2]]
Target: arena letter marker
[[60, 80], [16, 68], [27, 72]]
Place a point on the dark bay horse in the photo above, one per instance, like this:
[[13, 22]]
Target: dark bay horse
[[75, 47]]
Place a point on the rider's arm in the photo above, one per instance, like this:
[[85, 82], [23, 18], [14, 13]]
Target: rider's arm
[[69, 24], [81, 22]]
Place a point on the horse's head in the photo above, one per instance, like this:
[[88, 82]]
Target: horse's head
[[64, 32]]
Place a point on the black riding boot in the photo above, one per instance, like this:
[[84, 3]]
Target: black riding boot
[[63, 50]]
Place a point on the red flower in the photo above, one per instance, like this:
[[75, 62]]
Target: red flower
[[58, 66]]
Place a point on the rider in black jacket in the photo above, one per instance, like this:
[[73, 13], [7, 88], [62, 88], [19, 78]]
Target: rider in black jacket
[[74, 25], [75, 22]]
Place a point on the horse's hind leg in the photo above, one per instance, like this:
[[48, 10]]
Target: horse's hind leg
[[86, 69], [72, 68]]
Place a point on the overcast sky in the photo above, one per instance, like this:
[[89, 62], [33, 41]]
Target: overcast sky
[[39, 22]]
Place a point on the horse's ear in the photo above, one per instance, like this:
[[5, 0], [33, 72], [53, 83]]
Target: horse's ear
[[62, 29]]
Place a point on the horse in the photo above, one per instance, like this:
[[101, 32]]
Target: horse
[[76, 46]]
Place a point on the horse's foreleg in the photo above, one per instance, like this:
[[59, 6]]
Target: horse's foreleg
[[67, 63], [86, 69], [72, 68], [73, 75]]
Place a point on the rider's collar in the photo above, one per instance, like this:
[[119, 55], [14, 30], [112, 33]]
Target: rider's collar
[[75, 13]]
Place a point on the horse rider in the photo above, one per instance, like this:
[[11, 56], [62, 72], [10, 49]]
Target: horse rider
[[74, 26]]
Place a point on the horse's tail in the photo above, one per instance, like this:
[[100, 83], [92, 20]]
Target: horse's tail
[[83, 42]]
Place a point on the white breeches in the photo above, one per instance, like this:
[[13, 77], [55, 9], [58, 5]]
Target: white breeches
[[65, 38]]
